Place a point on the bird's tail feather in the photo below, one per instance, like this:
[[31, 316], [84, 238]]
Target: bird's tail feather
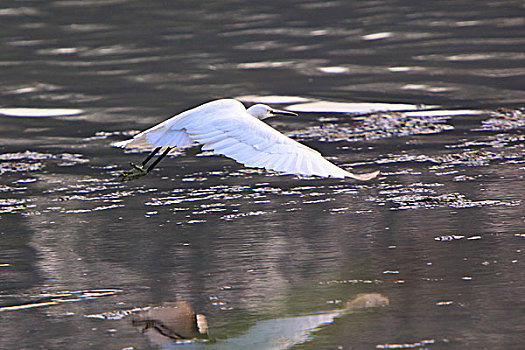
[[364, 177], [157, 138]]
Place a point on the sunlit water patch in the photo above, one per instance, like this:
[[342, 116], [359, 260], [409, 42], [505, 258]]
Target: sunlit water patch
[[233, 202], [456, 237], [415, 198], [498, 141], [376, 126], [84, 195], [55, 298], [39, 112], [103, 135], [421, 344], [312, 105], [30, 161], [466, 154], [272, 99], [351, 107], [502, 120], [30, 155], [19, 167], [13, 205]]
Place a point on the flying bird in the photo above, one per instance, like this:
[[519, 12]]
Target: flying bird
[[227, 128]]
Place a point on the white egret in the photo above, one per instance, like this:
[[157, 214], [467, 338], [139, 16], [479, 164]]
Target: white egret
[[226, 127]]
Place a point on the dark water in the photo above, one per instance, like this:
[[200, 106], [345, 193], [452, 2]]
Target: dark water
[[429, 255]]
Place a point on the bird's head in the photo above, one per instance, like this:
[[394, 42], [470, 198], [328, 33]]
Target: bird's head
[[261, 111]]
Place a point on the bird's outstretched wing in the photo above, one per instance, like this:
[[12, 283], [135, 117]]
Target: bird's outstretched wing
[[225, 128]]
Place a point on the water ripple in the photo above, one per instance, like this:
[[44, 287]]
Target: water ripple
[[59, 297]]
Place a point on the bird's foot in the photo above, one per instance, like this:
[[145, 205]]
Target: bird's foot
[[136, 172]]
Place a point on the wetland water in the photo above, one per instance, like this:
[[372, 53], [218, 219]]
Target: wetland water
[[428, 255]]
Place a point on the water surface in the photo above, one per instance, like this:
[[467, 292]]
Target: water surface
[[428, 255]]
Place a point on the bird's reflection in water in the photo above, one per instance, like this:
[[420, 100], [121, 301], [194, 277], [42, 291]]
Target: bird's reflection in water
[[172, 322], [176, 323]]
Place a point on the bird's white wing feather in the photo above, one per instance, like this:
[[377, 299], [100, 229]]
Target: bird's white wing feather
[[225, 127], [234, 133]]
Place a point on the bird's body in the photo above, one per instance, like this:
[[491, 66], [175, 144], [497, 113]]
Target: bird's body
[[227, 128]]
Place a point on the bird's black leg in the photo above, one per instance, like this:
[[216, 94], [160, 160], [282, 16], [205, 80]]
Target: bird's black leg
[[155, 151], [140, 167], [138, 170], [164, 154]]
